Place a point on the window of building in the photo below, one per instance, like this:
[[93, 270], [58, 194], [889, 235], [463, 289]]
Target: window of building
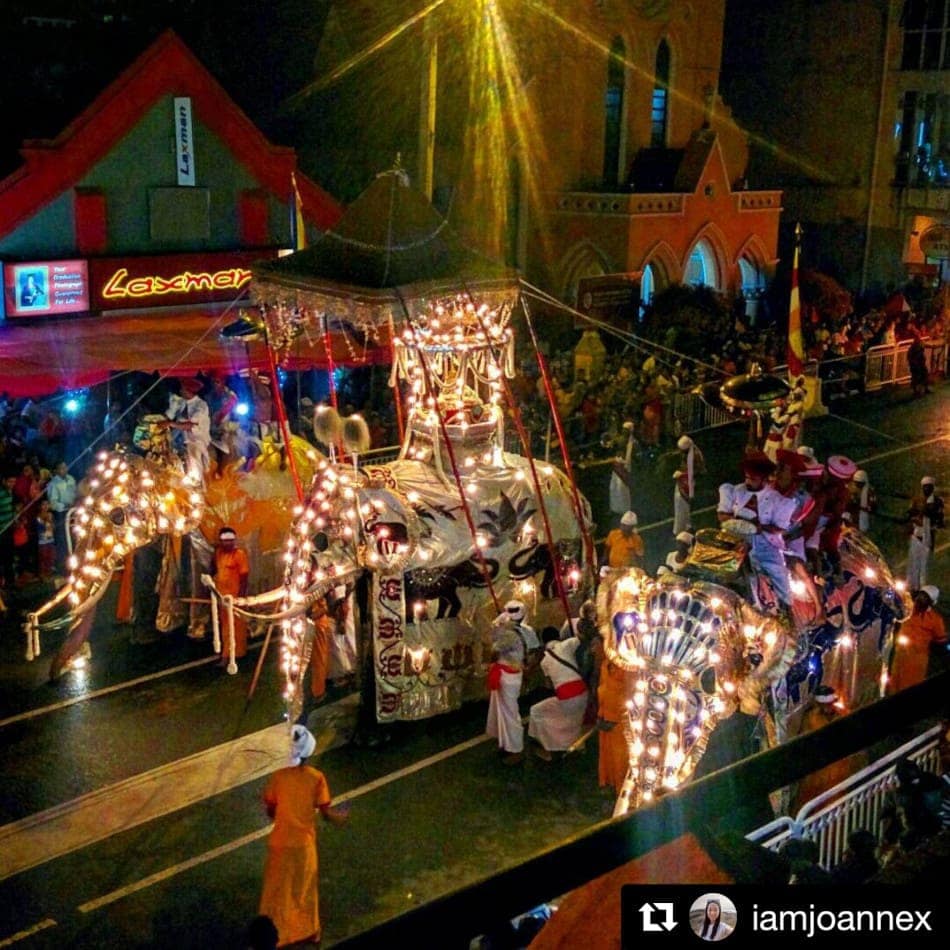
[[926, 26], [647, 288], [660, 105], [702, 270], [613, 111], [922, 139]]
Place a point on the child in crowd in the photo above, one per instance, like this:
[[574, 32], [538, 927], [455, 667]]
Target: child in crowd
[[45, 539]]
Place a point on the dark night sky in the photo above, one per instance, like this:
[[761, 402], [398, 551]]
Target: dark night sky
[[260, 52]]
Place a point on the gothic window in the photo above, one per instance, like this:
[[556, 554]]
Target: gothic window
[[701, 269], [613, 111], [660, 104]]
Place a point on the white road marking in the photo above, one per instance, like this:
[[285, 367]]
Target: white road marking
[[106, 690], [23, 934], [109, 810], [860, 425], [253, 836]]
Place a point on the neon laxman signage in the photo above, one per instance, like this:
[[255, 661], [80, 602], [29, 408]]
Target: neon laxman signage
[[120, 286], [169, 281]]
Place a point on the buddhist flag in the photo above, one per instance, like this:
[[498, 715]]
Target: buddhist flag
[[299, 228], [796, 349]]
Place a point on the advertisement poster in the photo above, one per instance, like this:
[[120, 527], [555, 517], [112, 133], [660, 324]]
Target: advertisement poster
[[45, 289]]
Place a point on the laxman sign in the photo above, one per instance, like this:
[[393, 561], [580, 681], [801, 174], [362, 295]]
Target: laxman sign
[[184, 142]]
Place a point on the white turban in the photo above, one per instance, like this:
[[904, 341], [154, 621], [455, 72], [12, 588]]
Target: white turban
[[302, 744]]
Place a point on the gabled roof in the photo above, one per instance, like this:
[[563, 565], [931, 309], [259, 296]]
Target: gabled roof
[[389, 239], [51, 166], [673, 170]]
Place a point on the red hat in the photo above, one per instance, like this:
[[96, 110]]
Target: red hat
[[758, 463], [841, 467], [797, 463], [190, 386]]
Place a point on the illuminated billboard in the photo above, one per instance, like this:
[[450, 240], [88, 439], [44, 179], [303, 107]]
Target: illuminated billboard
[[45, 289]]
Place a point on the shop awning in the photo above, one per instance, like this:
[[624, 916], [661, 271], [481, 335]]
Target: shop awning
[[41, 358]]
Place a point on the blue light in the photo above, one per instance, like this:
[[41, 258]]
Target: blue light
[[242, 408], [71, 406]]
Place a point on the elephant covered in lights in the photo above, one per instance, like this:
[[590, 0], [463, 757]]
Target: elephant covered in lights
[[129, 501], [429, 593], [697, 647]]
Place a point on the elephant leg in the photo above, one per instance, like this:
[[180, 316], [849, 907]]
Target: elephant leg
[[72, 645]]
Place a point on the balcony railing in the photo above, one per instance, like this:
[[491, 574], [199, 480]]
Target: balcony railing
[[858, 802]]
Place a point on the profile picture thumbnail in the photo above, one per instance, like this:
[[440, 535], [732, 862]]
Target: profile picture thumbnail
[[32, 290], [712, 917]]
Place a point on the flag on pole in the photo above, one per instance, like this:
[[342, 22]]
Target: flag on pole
[[796, 349], [299, 229]]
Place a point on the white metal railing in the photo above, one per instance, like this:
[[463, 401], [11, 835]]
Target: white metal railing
[[887, 364], [858, 802]]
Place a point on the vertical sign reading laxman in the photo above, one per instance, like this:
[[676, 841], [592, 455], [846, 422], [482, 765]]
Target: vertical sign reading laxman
[[184, 142]]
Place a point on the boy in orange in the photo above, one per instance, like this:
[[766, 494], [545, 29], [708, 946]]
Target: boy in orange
[[624, 546], [230, 570], [290, 895]]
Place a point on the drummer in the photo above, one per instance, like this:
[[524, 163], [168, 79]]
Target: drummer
[[770, 513]]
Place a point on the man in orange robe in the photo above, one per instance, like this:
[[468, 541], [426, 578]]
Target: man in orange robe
[[320, 655], [912, 653], [612, 695], [624, 546], [230, 570], [290, 894]]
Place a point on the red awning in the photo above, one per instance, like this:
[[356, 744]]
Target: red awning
[[41, 358]]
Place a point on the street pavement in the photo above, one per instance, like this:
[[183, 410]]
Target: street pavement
[[130, 810]]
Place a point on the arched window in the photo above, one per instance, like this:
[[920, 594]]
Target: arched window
[[613, 110], [753, 285], [647, 288], [702, 268], [660, 107]]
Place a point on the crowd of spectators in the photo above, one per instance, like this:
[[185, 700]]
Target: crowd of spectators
[[638, 382]]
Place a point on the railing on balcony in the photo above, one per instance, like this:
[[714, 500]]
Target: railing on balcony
[[858, 802], [714, 801]]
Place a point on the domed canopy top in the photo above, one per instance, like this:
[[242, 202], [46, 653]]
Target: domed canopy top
[[754, 391]]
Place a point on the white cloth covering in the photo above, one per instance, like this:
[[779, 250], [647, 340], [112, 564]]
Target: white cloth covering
[[504, 719]]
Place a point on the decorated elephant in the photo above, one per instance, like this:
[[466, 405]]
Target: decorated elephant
[[128, 501], [699, 647]]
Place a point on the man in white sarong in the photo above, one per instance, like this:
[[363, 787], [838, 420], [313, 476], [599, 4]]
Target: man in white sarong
[[621, 474], [556, 723], [342, 666], [925, 517], [513, 641], [681, 502], [189, 413], [768, 512]]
